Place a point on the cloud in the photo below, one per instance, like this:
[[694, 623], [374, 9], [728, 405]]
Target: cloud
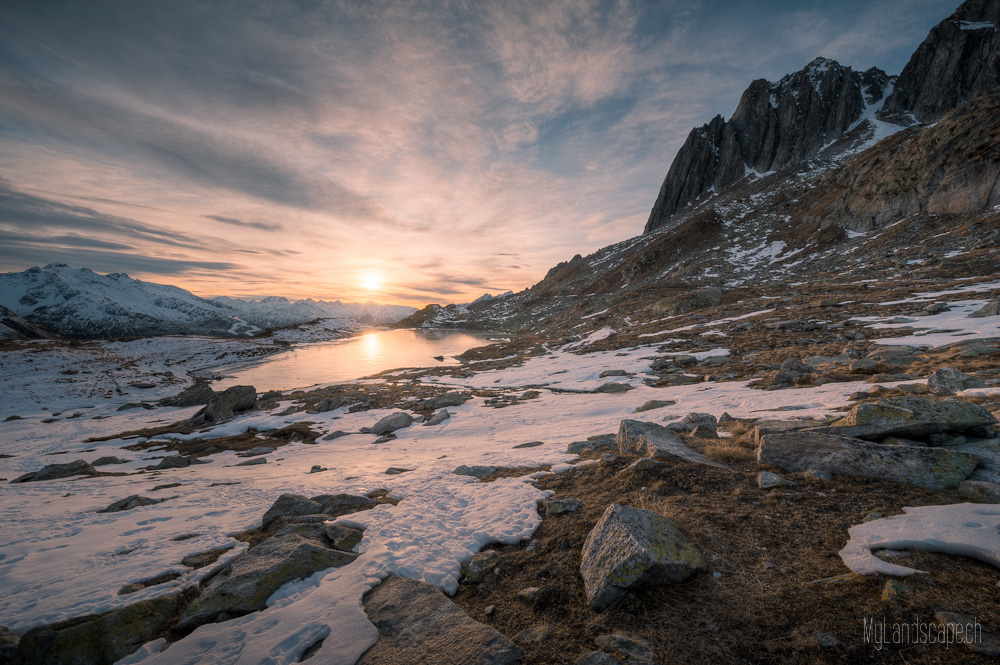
[[255, 224]]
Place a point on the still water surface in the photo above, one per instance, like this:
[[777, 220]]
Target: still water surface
[[353, 358]]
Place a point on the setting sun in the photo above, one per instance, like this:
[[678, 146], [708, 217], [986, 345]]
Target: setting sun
[[371, 281]]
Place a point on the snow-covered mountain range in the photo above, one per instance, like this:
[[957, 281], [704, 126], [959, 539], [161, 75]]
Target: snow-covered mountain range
[[82, 303]]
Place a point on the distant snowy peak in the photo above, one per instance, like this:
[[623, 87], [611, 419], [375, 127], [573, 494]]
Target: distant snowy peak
[[486, 297], [82, 303]]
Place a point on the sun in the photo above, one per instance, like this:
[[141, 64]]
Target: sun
[[371, 281]]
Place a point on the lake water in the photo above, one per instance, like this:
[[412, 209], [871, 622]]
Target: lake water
[[352, 358]]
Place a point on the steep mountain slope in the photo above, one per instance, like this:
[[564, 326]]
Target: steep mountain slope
[[959, 59], [776, 126], [82, 303], [13, 326]]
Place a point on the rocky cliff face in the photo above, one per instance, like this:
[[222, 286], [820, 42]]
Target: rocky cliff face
[[775, 126], [959, 59]]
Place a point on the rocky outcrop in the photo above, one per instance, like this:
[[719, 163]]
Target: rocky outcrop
[[227, 404], [958, 60], [55, 471], [636, 437], [419, 624], [911, 417], [247, 583], [776, 125], [630, 548], [937, 468], [948, 381], [97, 639]]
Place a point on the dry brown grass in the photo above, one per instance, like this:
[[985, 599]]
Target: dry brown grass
[[752, 612], [730, 450]]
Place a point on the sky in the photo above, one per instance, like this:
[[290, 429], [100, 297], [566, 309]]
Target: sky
[[407, 152]]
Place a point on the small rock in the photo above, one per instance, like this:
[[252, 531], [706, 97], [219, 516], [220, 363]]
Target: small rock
[[128, 503], [481, 564], [530, 444], [258, 450], [316, 468], [105, 461], [641, 464], [894, 591], [979, 491], [560, 506], [826, 640], [948, 381], [334, 435], [655, 404], [628, 648], [396, 470], [528, 595], [437, 418], [614, 388], [176, 462], [55, 471], [814, 474], [534, 634], [253, 462], [593, 443], [489, 610], [10, 418], [871, 517], [766, 480], [612, 372]]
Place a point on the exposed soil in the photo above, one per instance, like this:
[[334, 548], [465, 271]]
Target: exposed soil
[[751, 612]]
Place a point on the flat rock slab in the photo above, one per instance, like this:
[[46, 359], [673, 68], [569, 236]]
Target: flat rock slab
[[417, 624], [246, 584], [937, 468], [104, 638], [636, 437], [912, 416], [55, 471], [631, 548], [288, 505]]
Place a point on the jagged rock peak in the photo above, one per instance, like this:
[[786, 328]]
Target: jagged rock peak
[[775, 125], [959, 59]]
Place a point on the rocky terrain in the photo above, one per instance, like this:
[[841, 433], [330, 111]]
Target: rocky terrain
[[764, 431]]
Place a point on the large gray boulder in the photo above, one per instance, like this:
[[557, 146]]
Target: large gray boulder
[[194, 395], [991, 308], [391, 423], [937, 468], [55, 471], [948, 381], [630, 548], [228, 403], [246, 584], [636, 437], [418, 624], [96, 639], [910, 417]]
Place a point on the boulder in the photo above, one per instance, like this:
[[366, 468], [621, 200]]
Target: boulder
[[937, 468], [766, 480], [482, 564], [228, 403], [335, 435], [110, 459], [978, 491], [790, 370], [612, 372], [992, 308], [692, 421], [437, 418], [645, 439], [442, 401], [96, 639], [418, 624], [175, 462], [252, 462], [391, 423], [630, 548], [911, 416], [256, 450], [55, 471], [245, 585], [611, 388], [194, 395], [343, 538], [593, 443], [654, 404], [128, 503], [288, 505], [948, 381]]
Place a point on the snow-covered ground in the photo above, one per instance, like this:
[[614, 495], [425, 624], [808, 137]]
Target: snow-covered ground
[[60, 558]]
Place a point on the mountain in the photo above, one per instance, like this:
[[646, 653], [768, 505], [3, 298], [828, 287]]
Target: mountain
[[13, 326], [775, 126], [878, 204], [82, 303], [959, 59]]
